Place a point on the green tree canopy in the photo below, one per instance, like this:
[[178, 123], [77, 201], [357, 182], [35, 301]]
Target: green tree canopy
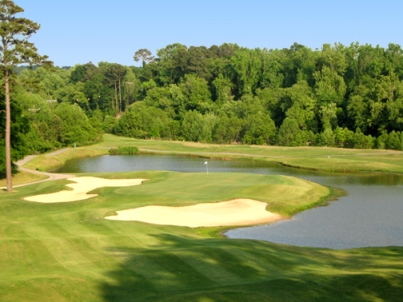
[[14, 49]]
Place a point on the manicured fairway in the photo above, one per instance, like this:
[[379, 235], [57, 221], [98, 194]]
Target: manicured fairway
[[68, 252]]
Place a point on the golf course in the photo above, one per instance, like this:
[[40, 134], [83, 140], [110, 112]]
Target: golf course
[[71, 237]]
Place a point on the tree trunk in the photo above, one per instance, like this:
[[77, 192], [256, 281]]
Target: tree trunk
[[120, 97], [8, 132], [116, 100]]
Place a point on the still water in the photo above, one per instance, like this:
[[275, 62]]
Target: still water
[[371, 214]]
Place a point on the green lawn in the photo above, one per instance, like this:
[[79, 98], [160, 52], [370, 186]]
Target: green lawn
[[68, 252]]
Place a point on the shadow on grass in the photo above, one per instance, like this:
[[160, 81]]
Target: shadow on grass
[[188, 269]]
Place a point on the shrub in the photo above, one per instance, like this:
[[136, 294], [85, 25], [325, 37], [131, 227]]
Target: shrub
[[127, 150]]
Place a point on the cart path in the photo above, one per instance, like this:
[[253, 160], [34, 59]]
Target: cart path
[[51, 176]]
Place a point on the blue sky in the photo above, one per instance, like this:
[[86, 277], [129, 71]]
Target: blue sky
[[76, 32]]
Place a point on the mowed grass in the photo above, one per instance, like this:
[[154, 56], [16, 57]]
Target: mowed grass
[[68, 252]]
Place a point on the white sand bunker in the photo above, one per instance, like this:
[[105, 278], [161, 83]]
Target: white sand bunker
[[228, 213], [82, 186]]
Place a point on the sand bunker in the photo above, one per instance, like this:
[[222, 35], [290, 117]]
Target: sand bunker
[[82, 186], [235, 212]]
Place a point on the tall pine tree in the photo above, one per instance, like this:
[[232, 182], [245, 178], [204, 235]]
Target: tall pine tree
[[14, 49]]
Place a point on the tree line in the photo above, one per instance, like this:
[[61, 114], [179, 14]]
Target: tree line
[[341, 96]]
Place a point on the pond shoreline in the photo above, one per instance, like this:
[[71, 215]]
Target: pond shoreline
[[361, 183]]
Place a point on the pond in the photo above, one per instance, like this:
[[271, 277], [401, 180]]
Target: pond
[[371, 214]]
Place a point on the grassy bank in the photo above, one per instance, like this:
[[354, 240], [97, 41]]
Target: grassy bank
[[23, 178], [50, 162], [68, 252], [315, 158]]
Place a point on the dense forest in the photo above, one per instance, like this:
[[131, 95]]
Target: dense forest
[[339, 96]]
